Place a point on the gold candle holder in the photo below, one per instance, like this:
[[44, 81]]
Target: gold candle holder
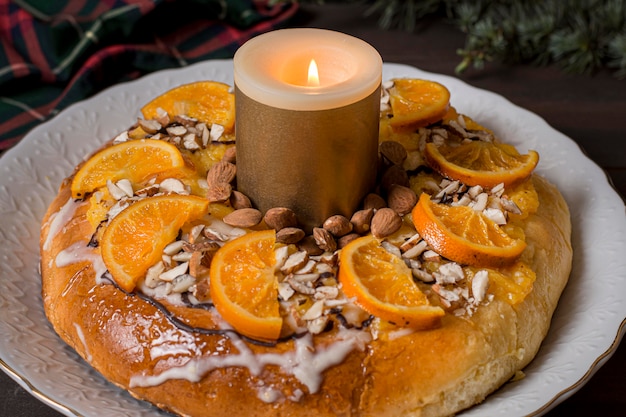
[[307, 144]]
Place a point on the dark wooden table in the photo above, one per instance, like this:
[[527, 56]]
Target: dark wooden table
[[591, 110]]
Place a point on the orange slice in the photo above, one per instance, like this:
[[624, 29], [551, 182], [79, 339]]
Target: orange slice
[[207, 101], [134, 240], [244, 287], [464, 235], [416, 103], [383, 285], [135, 160], [481, 163]]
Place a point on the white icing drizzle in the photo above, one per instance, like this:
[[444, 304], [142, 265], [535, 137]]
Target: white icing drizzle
[[306, 362], [81, 252], [171, 342], [59, 219], [81, 336]]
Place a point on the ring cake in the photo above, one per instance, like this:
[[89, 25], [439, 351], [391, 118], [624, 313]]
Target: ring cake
[[437, 291]]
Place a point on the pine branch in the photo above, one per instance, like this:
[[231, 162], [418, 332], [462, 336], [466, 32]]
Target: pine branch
[[580, 36]]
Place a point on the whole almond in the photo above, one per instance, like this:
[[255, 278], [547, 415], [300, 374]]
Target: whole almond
[[289, 235], [401, 199], [361, 220], [385, 222], [219, 192], [344, 240], [395, 174], [221, 172], [324, 239], [245, 217], [337, 225], [230, 155], [239, 200], [280, 217], [374, 201], [393, 152], [309, 245]]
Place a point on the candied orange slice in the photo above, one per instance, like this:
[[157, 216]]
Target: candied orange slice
[[481, 163], [244, 287], [134, 240], [383, 285], [135, 160], [207, 101], [416, 103], [464, 235]]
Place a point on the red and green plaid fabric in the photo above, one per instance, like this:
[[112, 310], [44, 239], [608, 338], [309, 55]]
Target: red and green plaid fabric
[[55, 52]]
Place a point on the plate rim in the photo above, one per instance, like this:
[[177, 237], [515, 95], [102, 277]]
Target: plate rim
[[28, 138]]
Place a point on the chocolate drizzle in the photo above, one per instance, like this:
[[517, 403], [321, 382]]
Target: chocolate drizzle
[[172, 318]]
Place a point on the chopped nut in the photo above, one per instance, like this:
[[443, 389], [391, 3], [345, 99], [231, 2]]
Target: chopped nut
[[315, 311], [285, 291], [170, 274], [324, 239], [216, 132], [203, 246], [176, 130], [480, 284], [317, 325], [149, 126], [173, 185], [295, 261], [196, 269], [326, 292], [416, 250], [300, 286], [182, 283]]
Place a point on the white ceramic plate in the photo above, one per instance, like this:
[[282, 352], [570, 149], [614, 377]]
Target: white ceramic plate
[[586, 329]]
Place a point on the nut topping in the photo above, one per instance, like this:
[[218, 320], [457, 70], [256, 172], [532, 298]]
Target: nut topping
[[245, 217], [401, 199], [385, 222], [221, 172], [278, 218], [338, 225]]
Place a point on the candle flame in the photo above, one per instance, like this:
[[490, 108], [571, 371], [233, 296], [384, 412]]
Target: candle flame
[[314, 79]]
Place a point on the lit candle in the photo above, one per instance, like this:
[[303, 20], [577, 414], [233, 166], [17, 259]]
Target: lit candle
[[307, 110]]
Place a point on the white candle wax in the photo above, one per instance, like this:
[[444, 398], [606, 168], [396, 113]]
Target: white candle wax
[[272, 69]]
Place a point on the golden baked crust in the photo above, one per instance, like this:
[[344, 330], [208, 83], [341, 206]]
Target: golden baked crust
[[179, 354], [435, 372]]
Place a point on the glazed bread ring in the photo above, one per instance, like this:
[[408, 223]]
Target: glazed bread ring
[[165, 337]]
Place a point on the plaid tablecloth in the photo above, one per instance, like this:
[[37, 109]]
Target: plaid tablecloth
[[56, 52]]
